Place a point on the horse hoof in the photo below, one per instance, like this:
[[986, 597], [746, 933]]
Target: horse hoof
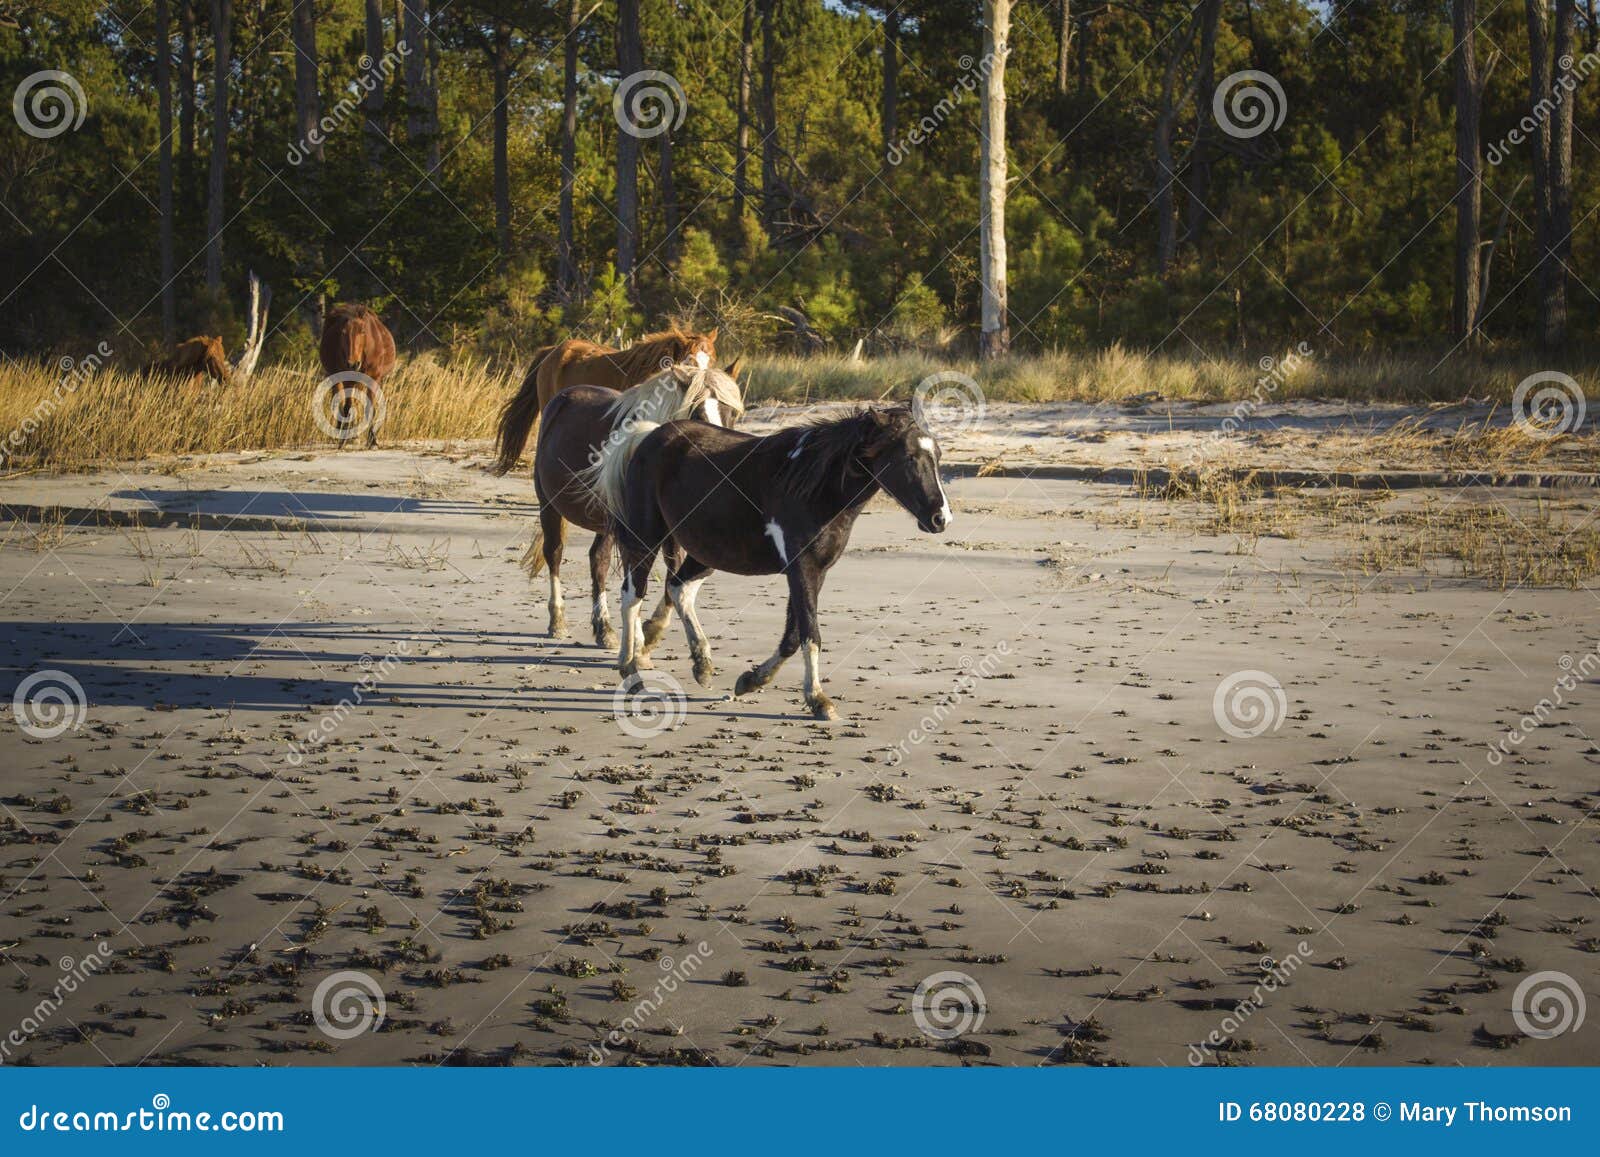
[[558, 628], [747, 683], [606, 639], [822, 708], [703, 673], [652, 635]]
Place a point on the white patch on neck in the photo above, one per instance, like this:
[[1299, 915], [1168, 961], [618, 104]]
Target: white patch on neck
[[775, 532], [713, 410], [702, 359], [800, 444], [925, 445]]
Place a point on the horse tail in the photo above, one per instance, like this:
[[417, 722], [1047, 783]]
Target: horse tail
[[532, 560], [517, 419], [605, 477]]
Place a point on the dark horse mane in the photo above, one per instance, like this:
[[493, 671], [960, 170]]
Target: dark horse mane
[[827, 447]]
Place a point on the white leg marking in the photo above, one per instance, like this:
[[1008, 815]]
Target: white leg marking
[[601, 610], [631, 631], [557, 605], [775, 532], [813, 658]]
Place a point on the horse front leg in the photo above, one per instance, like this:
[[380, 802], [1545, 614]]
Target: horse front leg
[[805, 582], [599, 568], [761, 674]]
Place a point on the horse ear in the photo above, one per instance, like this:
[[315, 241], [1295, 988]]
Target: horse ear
[[735, 367], [712, 336]]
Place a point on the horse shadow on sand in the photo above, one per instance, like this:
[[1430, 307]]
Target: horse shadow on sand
[[310, 665]]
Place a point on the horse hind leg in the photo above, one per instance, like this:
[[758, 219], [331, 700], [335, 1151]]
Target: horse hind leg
[[555, 534], [761, 674], [631, 657], [599, 566], [655, 627], [682, 586]]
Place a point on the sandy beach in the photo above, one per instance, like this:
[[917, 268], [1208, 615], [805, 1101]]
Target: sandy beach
[[1110, 784]]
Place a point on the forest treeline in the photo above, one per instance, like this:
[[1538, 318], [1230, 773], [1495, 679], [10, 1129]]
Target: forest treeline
[[804, 172]]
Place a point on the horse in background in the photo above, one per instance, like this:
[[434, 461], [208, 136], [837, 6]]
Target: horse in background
[[355, 341], [578, 362], [204, 358], [784, 504], [578, 425]]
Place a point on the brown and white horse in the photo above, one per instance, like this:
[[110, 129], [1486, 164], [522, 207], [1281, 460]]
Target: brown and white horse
[[578, 426], [784, 504], [576, 362]]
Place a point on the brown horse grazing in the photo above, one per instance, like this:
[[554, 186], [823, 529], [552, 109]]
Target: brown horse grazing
[[578, 425], [577, 362], [203, 358], [199, 358], [355, 341]]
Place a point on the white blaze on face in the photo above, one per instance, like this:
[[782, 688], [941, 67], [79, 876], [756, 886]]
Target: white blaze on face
[[702, 359], [775, 532], [713, 410], [925, 444]]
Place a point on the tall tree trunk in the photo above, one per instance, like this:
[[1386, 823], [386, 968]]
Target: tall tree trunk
[[1540, 109], [1203, 24], [891, 77], [1063, 44], [996, 339], [186, 118], [630, 59], [769, 118], [567, 274], [741, 155], [372, 103], [1469, 171], [1564, 89], [421, 107], [307, 115], [668, 192], [221, 21], [169, 300], [1200, 151], [500, 62], [307, 104]]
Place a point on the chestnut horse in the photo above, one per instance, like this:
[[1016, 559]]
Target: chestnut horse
[[355, 341], [578, 362], [205, 359]]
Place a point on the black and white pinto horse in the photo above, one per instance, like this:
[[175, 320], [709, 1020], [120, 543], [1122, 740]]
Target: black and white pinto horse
[[717, 499]]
